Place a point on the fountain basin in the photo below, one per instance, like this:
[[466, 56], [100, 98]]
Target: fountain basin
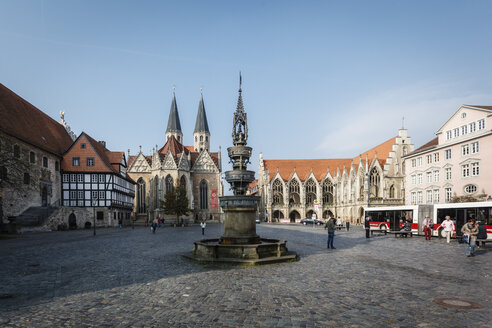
[[266, 252]]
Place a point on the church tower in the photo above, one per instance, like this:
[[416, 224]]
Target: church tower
[[201, 134], [173, 124]]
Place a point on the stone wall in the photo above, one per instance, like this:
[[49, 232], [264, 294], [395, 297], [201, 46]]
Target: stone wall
[[60, 220], [19, 194]]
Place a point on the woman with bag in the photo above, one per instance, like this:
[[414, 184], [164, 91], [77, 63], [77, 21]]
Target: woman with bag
[[470, 231]]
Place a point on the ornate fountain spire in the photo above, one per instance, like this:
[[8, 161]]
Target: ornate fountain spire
[[240, 121]]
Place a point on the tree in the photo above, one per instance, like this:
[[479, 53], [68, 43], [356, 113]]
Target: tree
[[176, 202]]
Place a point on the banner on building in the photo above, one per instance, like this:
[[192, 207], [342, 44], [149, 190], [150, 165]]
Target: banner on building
[[213, 201]]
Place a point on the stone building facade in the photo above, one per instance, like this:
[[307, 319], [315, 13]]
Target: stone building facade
[[31, 149], [294, 189], [457, 163], [194, 167]]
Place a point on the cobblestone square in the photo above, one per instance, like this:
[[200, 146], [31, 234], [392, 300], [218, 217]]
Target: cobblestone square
[[133, 278]]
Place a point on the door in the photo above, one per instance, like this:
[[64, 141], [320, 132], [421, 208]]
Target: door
[[72, 222], [44, 197]]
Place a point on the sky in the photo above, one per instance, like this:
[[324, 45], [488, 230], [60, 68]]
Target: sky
[[321, 79]]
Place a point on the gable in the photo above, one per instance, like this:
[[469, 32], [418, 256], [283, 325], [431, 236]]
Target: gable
[[77, 150], [204, 163], [140, 164]]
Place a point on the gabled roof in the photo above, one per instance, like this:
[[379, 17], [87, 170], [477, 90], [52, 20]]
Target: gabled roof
[[320, 167], [173, 124], [22, 120], [131, 159], [487, 109], [173, 145], [201, 124]]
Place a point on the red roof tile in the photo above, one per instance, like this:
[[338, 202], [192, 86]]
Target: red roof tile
[[430, 144], [319, 167], [22, 120], [482, 107]]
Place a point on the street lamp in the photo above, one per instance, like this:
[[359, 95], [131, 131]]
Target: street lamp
[[94, 202]]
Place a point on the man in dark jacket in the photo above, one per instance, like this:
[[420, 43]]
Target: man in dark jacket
[[367, 226], [482, 233], [330, 225]]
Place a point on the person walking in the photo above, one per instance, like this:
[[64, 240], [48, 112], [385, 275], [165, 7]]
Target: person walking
[[330, 225], [367, 226], [347, 225], [448, 226], [203, 225], [482, 233], [120, 222], [427, 227], [154, 225], [470, 231]]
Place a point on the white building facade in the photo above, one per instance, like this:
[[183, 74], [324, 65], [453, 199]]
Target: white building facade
[[457, 163]]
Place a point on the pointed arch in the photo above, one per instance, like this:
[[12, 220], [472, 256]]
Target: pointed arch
[[182, 181], [278, 192], [203, 195], [311, 190], [141, 201], [327, 189], [375, 181], [169, 183], [392, 191], [294, 192]]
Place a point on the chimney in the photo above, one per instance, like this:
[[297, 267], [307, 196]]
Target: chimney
[[103, 143]]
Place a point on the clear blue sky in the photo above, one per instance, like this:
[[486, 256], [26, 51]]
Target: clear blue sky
[[321, 79]]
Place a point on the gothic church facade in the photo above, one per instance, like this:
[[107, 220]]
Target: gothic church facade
[[194, 167]]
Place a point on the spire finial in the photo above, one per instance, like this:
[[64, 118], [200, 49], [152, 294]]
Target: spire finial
[[201, 90], [140, 148], [240, 81], [403, 123], [174, 88]]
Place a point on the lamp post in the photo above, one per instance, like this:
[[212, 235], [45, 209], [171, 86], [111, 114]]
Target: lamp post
[[94, 202]]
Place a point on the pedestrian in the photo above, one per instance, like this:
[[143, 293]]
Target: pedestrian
[[482, 233], [162, 221], [330, 225], [154, 226], [347, 225], [339, 224], [120, 222], [428, 227], [448, 226], [203, 225], [407, 226], [367, 225], [470, 232]]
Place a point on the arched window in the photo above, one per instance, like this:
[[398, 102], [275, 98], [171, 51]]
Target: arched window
[[196, 139], [392, 192], [327, 192], [182, 181], [169, 183], [203, 195], [141, 205], [201, 138], [375, 181], [278, 192], [310, 191], [294, 196], [206, 138]]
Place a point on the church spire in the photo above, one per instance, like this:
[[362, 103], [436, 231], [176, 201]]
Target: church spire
[[173, 123], [201, 134], [201, 124]]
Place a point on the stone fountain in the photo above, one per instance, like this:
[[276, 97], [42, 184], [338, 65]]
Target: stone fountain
[[240, 244]]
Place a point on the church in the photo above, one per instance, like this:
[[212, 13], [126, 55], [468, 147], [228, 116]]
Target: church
[[193, 167]]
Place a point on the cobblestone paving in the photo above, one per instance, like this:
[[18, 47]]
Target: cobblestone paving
[[132, 278]]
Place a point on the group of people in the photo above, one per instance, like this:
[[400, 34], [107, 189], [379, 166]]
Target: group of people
[[471, 231]]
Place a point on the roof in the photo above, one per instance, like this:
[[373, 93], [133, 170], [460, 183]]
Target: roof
[[131, 159], [22, 120], [320, 167], [201, 124], [479, 106], [431, 144], [173, 124], [110, 159], [176, 149]]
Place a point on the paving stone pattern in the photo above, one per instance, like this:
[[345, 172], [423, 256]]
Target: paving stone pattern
[[133, 278]]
